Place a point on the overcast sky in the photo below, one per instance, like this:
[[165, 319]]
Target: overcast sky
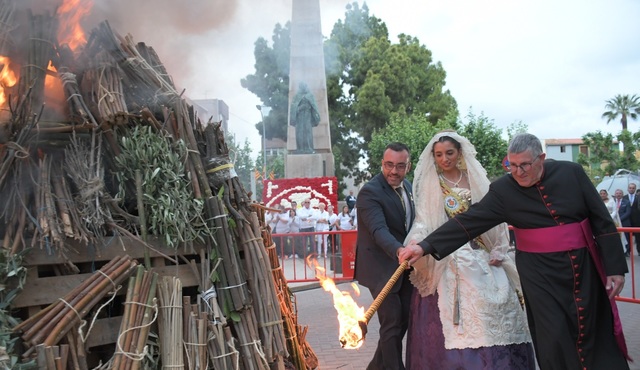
[[548, 63]]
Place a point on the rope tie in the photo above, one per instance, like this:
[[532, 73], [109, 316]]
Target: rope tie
[[145, 350]]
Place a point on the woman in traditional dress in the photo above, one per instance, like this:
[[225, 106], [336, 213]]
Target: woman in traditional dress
[[612, 208], [466, 310]]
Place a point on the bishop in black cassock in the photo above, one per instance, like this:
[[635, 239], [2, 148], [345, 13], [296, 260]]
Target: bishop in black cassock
[[573, 322]]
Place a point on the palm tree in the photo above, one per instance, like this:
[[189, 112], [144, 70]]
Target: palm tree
[[622, 105]]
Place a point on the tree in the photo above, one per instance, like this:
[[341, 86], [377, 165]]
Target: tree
[[270, 82], [603, 156], [488, 141], [515, 128], [243, 165], [630, 147], [413, 131], [379, 79], [624, 106]]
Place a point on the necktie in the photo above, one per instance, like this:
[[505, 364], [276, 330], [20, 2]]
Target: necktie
[[407, 216], [399, 191], [618, 204]]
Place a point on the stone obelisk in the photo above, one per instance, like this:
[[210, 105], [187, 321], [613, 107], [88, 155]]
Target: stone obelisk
[[309, 138]]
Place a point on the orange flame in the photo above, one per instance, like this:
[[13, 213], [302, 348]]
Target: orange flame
[[49, 79], [349, 313], [7, 78], [54, 90], [70, 13]]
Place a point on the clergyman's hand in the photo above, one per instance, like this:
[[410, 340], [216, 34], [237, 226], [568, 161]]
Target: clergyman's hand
[[411, 252], [614, 286]]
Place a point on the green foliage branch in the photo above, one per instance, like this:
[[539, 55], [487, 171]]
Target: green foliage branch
[[172, 211]]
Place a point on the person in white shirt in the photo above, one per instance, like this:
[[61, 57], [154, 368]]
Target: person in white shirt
[[294, 241], [282, 227], [345, 222], [307, 225], [271, 220], [612, 208], [322, 224], [333, 218]]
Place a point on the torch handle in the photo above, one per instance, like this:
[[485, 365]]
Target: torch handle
[[385, 291]]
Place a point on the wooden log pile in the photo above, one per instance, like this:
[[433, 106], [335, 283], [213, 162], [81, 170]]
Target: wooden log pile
[[61, 181]]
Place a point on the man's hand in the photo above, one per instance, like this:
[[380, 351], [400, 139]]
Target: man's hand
[[614, 286], [411, 252]]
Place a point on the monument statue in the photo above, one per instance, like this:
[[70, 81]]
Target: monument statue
[[304, 116]]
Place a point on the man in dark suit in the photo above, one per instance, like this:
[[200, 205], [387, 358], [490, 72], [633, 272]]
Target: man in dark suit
[[385, 213], [624, 212], [635, 212]]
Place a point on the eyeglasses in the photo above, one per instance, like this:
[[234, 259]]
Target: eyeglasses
[[523, 166], [389, 166]]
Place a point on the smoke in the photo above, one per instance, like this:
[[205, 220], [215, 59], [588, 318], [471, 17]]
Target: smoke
[[177, 31], [174, 29], [162, 18]]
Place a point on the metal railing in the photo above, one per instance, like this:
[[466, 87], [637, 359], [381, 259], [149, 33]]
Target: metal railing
[[629, 292], [298, 251], [333, 251]]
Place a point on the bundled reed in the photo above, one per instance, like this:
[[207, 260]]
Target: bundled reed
[[41, 41], [221, 343], [51, 325], [139, 313], [195, 335], [170, 322]]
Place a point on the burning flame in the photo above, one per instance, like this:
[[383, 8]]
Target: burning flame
[[50, 78], [7, 78], [54, 90], [70, 13], [350, 315]]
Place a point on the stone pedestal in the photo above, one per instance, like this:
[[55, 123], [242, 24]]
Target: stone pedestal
[[309, 165]]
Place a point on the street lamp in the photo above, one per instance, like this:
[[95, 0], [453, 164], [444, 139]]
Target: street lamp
[[264, 111]]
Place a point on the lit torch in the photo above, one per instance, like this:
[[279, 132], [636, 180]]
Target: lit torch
[[352, 318]]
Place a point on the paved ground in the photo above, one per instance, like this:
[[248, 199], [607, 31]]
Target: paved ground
[[315, 309]]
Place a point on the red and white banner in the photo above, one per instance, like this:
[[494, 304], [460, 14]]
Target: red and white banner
[[283, 191]]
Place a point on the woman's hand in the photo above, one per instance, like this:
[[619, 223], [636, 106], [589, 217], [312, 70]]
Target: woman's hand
[[495, 262]]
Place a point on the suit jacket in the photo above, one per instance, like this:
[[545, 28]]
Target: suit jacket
[[381, 231], [625, 211], [635, 211]]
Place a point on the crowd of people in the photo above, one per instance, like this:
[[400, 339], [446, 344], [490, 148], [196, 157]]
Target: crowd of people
[[466, 302], [301, 231]]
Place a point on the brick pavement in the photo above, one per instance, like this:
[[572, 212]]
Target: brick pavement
[[315, 309]]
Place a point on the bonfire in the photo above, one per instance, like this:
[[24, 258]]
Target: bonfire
[[97, 144]]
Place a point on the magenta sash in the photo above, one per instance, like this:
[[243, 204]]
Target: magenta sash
[[561, 238], [568, 237]]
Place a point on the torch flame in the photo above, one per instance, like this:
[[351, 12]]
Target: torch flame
[[350, 314], [7, 78], [70, 13]]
